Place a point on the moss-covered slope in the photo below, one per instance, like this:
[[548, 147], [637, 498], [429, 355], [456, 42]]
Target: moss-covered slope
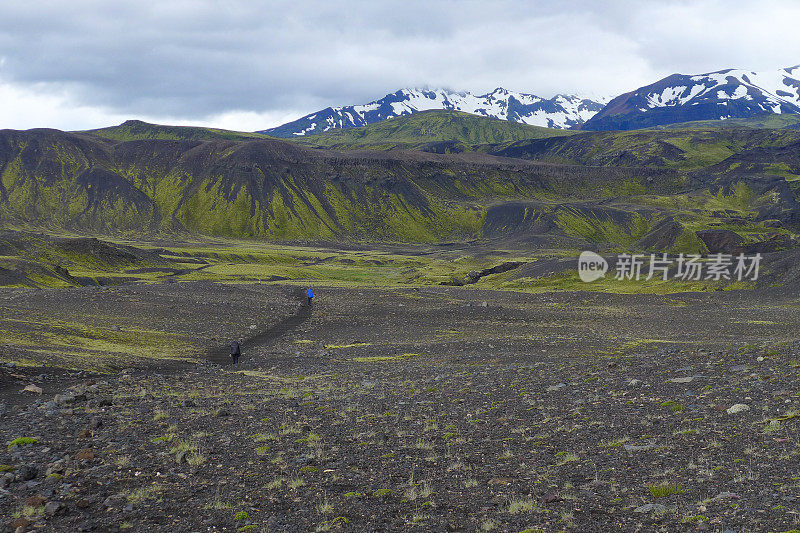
[[443, 131]]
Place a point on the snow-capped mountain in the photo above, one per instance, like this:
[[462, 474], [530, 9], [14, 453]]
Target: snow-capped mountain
[[561, 111], [717, 95]]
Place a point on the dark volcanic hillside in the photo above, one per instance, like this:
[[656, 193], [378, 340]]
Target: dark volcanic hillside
[[269, 188], [140, 183]]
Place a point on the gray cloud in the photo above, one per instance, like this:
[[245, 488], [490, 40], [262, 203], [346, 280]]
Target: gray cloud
[[196, 60]]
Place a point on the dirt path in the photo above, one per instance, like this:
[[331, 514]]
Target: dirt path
[[220, 354]]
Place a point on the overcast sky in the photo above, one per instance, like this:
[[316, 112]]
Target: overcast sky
[[250, 65]]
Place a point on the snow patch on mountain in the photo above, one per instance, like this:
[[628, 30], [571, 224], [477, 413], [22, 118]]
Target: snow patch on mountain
[[730, 93], [561, 111], [773, 88]]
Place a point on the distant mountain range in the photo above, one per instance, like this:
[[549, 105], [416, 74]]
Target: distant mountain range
[[561, 111], [718, 95], [722, 95]]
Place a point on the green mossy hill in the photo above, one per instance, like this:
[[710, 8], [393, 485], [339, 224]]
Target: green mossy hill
[[273, 189], [768, 120], [745, 180], [37, 259], [133, 130], [436, 131], [684, 149]]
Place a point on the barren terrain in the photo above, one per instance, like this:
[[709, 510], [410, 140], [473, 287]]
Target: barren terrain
[[418, 409]]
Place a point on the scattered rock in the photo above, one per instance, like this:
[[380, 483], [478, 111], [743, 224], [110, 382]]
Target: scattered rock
[[32, 388], [52, 508], [55, 468], [34, 501], [64, 399], [87, 454], [726, 496], [737, 408], [115, 501], [551, 498], [105, 402], [96, 422], [638, 448], [223, 412], [687, 379], [650, 507], [552, 388], [20, 523], [26, 473]]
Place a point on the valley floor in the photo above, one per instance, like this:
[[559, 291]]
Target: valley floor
[[413, 409]]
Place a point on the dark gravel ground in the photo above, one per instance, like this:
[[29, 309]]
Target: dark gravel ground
[[438, 409]]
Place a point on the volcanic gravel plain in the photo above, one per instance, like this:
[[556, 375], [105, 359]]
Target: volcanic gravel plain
[[413, 409]]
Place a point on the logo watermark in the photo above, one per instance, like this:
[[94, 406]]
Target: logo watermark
[[684, 267], [591, 266]]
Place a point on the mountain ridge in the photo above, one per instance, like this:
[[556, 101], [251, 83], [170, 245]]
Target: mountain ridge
[[561, 111], [719, 95]]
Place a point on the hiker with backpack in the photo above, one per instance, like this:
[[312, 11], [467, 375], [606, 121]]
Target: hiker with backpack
[[310, 295], [236, 352]]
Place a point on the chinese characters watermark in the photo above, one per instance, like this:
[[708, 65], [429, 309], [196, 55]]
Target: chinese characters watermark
[[684, 267]]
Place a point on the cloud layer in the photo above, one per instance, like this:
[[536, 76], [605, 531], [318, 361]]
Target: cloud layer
[[244, 65]]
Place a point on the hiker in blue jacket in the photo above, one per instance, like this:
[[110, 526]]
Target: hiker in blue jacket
[[310, 295]]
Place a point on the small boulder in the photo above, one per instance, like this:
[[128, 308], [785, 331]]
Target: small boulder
[[737, 408], [32, 388], [64, 399], [650, 507], [115, 501], [52, 508], [638, 447], [26, 473], [34, 501], [87, 454], [104, 402], [20, 523]]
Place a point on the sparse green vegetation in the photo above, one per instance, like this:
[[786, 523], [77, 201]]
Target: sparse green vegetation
[[662, 490], [23, 441]]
